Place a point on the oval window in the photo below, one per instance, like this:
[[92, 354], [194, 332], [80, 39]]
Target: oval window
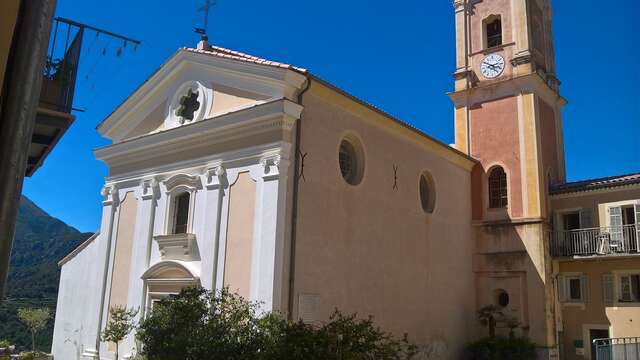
[[427, 193], [350, 161], [503, 298]]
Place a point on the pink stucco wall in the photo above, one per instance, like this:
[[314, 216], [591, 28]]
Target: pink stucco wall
[[371, 248], [495, 141]]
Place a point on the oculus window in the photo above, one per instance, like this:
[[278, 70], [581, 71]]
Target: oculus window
[[502, 298], [351, 160], [427, 193], [189, 104]]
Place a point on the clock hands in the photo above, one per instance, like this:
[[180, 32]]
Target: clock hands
[[492, 66]]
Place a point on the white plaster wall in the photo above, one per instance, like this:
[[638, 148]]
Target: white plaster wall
[[77, 293]]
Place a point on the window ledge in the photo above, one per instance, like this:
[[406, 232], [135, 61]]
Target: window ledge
[[493, 49], [577, 304], [178, 247]]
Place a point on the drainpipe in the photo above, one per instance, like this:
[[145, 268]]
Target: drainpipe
[[294, 207], [20, 97]]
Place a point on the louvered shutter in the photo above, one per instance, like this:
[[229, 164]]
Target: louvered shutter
[[607, 288], [562, 297], [586, 218], [586, 290], [615, 222]]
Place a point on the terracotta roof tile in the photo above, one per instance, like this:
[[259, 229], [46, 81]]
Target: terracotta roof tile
[[595, 184], [237, 55]]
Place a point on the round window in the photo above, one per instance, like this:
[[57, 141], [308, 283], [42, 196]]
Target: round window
[[350, 161], [191, 102], [427, 193], [503, 298]]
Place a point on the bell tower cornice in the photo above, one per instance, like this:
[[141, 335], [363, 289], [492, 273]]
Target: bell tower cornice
[[530, 83]]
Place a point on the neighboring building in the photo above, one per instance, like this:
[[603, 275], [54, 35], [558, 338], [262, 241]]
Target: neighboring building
[[231, 170], [596, 245], [35, 104]]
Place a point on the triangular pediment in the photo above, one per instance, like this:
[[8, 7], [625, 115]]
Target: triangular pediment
[[194, 85]]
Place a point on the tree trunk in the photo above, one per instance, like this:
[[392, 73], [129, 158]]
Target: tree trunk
[[33, 340], [116, 350], [492, 327]]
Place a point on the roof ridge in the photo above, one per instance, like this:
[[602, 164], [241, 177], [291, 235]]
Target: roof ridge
[[237, 55], [605, 178], [596, 183]]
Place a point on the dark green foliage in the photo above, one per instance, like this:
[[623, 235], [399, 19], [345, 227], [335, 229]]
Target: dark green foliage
[[40, 242], [501, 348], [342, 338], [197, 324]]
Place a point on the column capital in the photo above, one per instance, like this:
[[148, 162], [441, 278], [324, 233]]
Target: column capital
[[215, 177], [109, 195], [149, 189], [271, 166], [459, 5]]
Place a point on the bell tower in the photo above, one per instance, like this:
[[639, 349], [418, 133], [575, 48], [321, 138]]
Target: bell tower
[[508, 117]]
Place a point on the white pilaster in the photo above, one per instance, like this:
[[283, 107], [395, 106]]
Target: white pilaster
[[268, 249], [147, 195], [110, 204], [215, 180]]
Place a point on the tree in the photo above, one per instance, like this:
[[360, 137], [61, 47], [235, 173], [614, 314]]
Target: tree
[[488, 316], [199, 324], [36, 319], [121, 322]]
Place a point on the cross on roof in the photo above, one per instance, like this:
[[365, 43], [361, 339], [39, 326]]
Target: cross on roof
[[205, 8]]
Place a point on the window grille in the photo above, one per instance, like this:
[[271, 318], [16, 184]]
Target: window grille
[[494, 33], [498, 189]]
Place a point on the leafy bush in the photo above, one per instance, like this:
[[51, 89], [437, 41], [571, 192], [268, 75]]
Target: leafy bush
[[34, 355], [198, 324], [36, 319], [342, 338], [121, 322], [5, 343], [502, 348]]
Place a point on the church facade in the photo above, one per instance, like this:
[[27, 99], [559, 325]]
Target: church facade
[[229, 170]]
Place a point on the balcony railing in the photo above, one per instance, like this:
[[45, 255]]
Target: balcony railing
[[617, 349], [614, 240]]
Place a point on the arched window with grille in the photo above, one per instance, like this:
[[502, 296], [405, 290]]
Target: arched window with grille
[[498, 194]]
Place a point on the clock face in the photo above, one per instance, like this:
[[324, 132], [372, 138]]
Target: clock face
[[492, 66]]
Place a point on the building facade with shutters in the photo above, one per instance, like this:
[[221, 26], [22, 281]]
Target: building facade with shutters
[[228, 170]]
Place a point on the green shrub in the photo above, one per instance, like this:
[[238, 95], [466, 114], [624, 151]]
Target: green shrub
[[4, 343], [199, 324], [33, 355], [502, 348]]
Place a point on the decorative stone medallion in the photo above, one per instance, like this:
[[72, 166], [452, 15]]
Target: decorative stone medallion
[[190, 103]]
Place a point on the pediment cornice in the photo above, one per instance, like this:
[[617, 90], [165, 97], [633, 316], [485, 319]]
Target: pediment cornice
[[264, 80], [280, 114]]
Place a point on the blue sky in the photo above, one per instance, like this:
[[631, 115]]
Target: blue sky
[[398, 55]]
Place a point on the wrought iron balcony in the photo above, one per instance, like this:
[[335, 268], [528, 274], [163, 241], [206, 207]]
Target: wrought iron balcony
[[603, 241]]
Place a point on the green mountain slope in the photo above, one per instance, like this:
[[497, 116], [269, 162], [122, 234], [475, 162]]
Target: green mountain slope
[[40, 242]]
